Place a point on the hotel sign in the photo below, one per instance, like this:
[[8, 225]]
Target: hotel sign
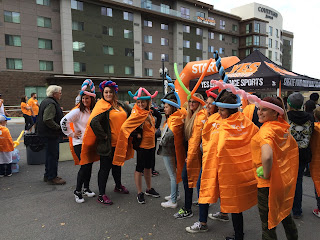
[[269, 13], [206, 21]]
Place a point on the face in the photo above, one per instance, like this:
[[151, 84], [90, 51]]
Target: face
[[57, 95], [210, 108], [26, 98], [167, 109], [266, 114], [143, 104], [86, 100], [108, 94], [224, 112], [3, 123], [193, 104], [35, 96]]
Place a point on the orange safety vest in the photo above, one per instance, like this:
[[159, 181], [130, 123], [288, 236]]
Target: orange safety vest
[[6, 143], [315, 163], [284, 171], [227, 168]]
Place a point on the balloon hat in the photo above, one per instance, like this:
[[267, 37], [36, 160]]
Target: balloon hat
[[85, 84], [173, 93], [109, 84], [210, 93], [137, 95]]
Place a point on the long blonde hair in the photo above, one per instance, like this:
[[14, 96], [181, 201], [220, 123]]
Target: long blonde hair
[[189, 121]]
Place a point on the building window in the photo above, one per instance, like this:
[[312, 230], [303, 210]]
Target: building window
[[107, 31], [270, 54], [198, 46], [79, 67], [164, 26], [106, 11], [221, 37], [129, 52], [13, 40], [164, 41], [211, 35], [108, 69], [128, 70], [277, 33], [148, 55], [257, 27], [185, 12], [40, 91], [234, 40], [79, 46], [13, 17], [199, 31], [256, 40], [198, 58], [222, 24], [77, 26], [147, 39], [234, 27], [128, 16], [44, 22], [45, 65], [249, 41], [14, 63], [186, 58], [148, 72], [43, 2], [127, 34], [147, 23], [249, 28], [77, 5], [165, 57], [108, 50], [128, 1], [186, 28], [201, 14], [146, 4], [270, 30], [221, 50], [270, 43], [234, 53], [164, 8], [45, 44], [248, 52], [276, 44], [186, 44], [276, 56], [211, 49]]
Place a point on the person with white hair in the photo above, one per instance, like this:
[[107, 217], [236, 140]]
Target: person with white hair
[[48, 127]]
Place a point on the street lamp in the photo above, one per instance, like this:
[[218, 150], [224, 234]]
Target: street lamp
[[163, 72]]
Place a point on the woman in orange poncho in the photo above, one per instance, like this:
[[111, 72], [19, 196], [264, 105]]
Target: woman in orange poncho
[[276, 151], [6, 148], [195, 119], [227, 163], [27, 113]]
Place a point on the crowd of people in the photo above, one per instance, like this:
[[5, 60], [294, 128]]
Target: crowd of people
[[242, 156]]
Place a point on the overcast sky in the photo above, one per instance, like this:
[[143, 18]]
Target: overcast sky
[[299, 17]]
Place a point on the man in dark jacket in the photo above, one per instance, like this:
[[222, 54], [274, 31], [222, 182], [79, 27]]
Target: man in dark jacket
[[301, 127], [48, 127]]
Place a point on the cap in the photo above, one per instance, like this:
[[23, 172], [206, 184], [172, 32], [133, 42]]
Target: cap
[[295, 100], [4, 118]]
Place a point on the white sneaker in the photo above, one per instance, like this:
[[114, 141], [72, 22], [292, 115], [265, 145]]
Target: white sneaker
[[88, 193], [78, 197], [169, 204], [168, 198]]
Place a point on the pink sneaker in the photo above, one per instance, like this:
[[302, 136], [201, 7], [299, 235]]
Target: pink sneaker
[[104, 200], [316, 212], [122, 190]]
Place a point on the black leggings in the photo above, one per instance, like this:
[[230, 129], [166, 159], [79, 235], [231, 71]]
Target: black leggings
[[237, 222], [28, 122], [84, 174], [105, 166]]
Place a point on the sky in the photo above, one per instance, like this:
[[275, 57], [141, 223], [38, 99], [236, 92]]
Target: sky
[[300, 17]]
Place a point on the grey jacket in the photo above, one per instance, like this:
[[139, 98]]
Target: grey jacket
[[166, 146]]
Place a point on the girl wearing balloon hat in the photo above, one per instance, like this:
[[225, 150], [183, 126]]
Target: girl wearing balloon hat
[[6, 147]]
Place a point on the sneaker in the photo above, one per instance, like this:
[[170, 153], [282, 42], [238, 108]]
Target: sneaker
[[297, 216], [87, 192], [195, 203], [104, 200], [78, 197], [197, 227], [169, 204], [9, 175], [122, 190], [219, 216], [151, 192], [183, 213], [45, 179], [155, 173], [140, 198], [56, 181], [169, 198], [316, 212]]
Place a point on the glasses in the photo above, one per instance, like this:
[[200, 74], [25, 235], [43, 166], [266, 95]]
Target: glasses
[[193, 102]]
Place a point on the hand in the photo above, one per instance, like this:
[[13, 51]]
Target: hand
[[77, 134], [139, 135], [186, 159], [33, 115]]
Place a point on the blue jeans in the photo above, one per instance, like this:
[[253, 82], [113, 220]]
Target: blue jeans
[[188, 192], [199, 182], [296, 209], [170, 164], [52, 157]]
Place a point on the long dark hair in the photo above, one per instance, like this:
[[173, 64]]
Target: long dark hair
[[23, 99], [83, 108]]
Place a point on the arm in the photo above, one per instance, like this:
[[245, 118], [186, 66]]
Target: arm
[[266, 159], [96, 125], [71, 117], [48, 117]]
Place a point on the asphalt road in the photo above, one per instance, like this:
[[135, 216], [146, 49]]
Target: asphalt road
[[31, 209]]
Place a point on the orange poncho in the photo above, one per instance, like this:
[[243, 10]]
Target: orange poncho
[[249, 110], [284, 170], [123, 150], [176, 124], [194, 154], [315, 163], [227, 164], [6, 143]]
